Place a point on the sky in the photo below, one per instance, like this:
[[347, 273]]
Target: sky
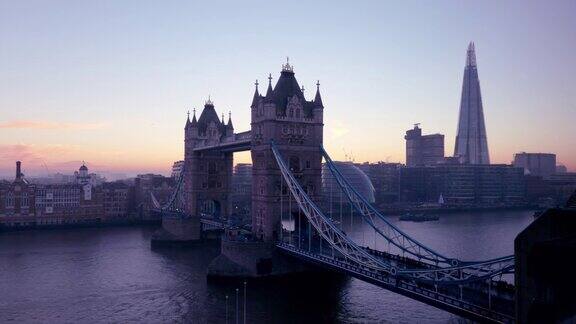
[[110, 82]]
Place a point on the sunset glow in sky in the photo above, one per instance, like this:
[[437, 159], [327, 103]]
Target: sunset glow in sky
[[110, 82]]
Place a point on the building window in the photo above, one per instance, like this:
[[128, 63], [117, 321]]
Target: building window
[[9, 200], [294, 164], [211, 167], [24, 200]]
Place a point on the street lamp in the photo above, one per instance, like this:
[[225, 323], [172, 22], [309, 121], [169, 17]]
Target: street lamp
[[237, 306], [244, 302], [226, 309]]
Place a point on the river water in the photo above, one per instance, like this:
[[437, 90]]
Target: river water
[[94, 275]]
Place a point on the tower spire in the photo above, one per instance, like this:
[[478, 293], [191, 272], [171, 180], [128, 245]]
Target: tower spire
[[230, 126], [287, 67], [318, 98], [471, 55], [187, 120], [194, 121], [256, 97], [269, 91]]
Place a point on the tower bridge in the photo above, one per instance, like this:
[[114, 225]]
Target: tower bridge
[[292, 228]]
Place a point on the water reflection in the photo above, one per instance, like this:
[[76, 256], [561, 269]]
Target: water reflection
[[112, 275]]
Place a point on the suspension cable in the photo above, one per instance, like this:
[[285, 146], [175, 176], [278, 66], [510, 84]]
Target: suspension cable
[[281, 211], [299, 228], [290, 216]]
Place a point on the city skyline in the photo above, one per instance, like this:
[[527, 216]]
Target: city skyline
[[119, 102]]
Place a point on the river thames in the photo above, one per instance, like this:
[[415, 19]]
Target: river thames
[[105, 275]]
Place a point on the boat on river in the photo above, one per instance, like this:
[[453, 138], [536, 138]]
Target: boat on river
[[409, 217]]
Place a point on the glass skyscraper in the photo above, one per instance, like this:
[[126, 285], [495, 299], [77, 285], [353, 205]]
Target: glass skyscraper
[[471, 143]]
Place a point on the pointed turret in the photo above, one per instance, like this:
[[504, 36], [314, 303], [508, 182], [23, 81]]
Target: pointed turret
[[187, 120], [230, 126], [318, 98], [194, 122], [269, 92], [256, 97], [191, 129]]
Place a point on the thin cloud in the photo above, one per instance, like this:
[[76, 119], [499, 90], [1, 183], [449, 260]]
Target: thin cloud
[[39, 158], [33, 153], [338, 129], [38, 124]]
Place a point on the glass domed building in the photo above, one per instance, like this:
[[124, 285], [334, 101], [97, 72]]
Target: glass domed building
[[356, 177]]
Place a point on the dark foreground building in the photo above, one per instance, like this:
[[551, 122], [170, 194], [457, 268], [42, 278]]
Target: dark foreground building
[[544, 275]]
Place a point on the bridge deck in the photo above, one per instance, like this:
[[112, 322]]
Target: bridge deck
[[451, 299]]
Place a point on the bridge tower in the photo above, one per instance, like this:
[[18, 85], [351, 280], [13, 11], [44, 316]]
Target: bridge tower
[[207, 174], [284, 117], [295, 125]]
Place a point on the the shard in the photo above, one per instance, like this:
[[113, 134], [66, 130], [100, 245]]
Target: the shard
[[471, 143]]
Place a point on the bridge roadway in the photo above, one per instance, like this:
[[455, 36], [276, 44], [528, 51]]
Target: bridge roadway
[[476, 301]]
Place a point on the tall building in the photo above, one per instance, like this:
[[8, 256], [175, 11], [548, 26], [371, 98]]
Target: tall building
[[241, 193], [422, 150], [177, 168], [471, 143], [242, 180], [538, 164]]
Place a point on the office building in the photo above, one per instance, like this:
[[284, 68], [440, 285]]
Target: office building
[[471, 141], [422, 150]]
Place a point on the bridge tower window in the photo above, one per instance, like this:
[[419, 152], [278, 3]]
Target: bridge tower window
[[294, 164], [212, 168]]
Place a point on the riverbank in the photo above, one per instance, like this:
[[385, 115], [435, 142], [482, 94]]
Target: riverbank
[[82, 224], [454, 209]]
